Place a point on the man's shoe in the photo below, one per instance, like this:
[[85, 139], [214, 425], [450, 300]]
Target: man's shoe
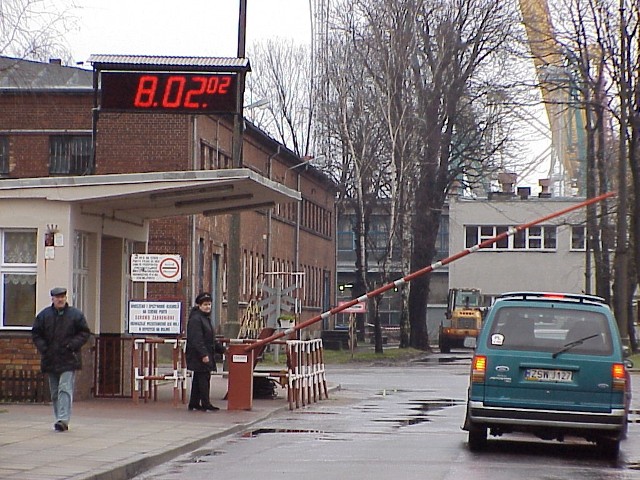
[[61, 426], [196, 407], [211, 407]]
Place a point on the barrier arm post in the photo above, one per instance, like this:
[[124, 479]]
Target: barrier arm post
[[240, 386], [241, 356]]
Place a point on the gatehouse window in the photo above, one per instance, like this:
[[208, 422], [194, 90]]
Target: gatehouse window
[[18, 267]]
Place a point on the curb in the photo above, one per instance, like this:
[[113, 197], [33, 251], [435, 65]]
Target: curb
[[128, 470]]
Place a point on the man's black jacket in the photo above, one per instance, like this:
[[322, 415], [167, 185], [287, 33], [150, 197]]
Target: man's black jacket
[[59, 335]]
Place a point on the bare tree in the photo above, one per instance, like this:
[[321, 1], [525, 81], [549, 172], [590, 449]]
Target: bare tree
[[418, 65], [281, 78], [35, 29], [455, 40]]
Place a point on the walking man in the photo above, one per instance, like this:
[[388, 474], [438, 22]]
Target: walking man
[[59, 331]]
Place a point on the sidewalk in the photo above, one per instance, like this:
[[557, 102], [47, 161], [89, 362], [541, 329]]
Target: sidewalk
[[114, 439]]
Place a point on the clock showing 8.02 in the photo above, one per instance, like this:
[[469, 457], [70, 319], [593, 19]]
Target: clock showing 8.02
[[179, 92]]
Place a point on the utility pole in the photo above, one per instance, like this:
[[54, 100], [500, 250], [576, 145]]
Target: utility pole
[[621, 293], [234, 264]]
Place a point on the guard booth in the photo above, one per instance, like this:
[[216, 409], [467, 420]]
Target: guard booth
[[98, 222]]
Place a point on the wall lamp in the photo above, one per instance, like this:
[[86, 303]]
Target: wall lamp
[[191, 191], [199, 201], [224, 210]]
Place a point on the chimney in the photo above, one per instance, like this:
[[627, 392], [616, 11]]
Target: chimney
[[544, 185], [507, 180], [455, 189], [524, 192]]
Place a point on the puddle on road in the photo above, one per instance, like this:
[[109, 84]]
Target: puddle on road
[[261, 431], [436, 404], [443, 359], [424, 407], [201, 456]]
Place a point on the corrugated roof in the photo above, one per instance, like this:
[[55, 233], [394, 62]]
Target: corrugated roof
[[19, 74], [146, 62]]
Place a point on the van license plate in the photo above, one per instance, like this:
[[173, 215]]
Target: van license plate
[[544, 375]]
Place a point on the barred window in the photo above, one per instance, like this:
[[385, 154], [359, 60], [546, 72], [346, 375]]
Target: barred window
[[4, 155], [70, 154]]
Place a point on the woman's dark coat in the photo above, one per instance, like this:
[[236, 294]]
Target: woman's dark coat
[[201, 342], [59, 335]]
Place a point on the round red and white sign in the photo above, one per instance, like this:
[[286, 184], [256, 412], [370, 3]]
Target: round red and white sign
[[169, 268]]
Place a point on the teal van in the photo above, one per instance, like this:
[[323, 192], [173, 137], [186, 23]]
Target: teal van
[[551, 365]]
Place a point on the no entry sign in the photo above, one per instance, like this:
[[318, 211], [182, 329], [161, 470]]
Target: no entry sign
[[156, 268]]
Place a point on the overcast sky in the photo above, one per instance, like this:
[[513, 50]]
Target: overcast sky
[[187, 27]]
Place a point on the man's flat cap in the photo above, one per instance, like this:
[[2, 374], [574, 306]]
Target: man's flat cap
[[58, 291]]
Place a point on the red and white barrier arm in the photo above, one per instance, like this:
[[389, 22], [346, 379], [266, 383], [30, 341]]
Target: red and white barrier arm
[[434, 266]]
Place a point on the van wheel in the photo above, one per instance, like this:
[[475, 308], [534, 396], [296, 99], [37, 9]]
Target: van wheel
[[477, 438], [609, 447], [444, 347]]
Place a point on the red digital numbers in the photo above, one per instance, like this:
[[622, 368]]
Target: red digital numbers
[[179, 91], [146, 91], [168, 91]]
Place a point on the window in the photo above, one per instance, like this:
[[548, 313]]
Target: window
[[378, 232], [533, 238], [578, 238], [80, 270], [346, 242], [18, 271], [70, 155], [4, 155], [536, 238]]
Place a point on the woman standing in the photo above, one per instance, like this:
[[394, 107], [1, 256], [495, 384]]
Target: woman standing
[[201, 348]]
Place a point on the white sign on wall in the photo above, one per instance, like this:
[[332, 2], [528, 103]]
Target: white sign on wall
[[147, 267], [154, 318]]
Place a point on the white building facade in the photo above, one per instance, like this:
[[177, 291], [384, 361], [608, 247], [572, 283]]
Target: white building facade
[[547, 257]]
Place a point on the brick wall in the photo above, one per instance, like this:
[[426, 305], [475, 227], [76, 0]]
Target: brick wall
[[17, 352], [135, 143]]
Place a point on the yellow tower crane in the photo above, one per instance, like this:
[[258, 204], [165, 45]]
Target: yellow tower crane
[[565, 118]]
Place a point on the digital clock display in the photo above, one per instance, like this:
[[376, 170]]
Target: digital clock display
[[178, 92]]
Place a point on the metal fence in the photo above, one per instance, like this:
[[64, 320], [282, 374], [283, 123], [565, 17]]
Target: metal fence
[[113, 366], [23, 386]]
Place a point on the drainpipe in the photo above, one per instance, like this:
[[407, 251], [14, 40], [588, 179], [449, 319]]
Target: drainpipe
[[192, 224], [298, 218], [269, 212]]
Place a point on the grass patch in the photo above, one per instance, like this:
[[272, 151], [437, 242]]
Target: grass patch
[[360, 355]]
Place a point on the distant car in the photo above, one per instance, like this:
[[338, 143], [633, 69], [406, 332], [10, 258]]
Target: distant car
[[551, 365]]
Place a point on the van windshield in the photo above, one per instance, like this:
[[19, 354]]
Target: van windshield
[[549, 330]]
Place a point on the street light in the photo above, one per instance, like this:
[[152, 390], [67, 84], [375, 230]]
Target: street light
[[234, 254], [263, 102]]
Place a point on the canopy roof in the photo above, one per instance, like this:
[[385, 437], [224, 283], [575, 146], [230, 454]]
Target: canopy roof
[[143, 196]]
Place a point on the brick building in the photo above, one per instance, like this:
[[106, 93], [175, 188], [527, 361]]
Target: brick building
[[159, 184]]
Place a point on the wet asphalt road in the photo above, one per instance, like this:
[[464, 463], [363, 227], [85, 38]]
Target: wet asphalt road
[[390, 421]]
